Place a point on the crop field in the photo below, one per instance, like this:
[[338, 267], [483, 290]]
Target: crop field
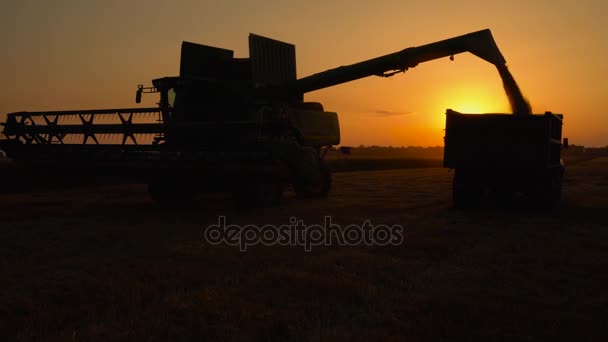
[[105, 263]]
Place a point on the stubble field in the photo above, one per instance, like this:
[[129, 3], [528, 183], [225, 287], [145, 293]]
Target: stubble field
[[105, 263]]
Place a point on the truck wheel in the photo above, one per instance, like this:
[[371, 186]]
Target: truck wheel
[[320, 189], [556, 188], [466, 189], [548, 192]]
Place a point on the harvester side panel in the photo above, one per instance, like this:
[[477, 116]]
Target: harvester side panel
[[203, 61], [316, 128], [272, 62]]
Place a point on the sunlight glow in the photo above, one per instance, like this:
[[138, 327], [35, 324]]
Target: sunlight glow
[[473, 100], [466, 98]]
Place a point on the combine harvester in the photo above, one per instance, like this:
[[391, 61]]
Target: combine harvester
[[241, 125]]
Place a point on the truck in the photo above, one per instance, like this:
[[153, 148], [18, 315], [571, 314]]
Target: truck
[[223, 124], [502, 156]]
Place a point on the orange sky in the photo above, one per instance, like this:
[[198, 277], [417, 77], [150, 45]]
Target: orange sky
[[83, 54]]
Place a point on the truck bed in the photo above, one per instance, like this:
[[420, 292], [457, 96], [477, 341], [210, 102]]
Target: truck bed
[[502, 140]]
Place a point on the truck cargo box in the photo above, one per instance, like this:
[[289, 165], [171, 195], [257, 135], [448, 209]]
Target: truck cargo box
[[502, 141]]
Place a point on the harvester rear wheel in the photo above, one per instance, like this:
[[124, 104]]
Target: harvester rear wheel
[[170, 195]]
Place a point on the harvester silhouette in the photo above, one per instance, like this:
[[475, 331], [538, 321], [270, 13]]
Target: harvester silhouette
[[242, 125]]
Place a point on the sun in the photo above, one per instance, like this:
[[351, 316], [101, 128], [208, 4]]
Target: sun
[[473, 103], [473, 99], [465, 98], [470, 107]]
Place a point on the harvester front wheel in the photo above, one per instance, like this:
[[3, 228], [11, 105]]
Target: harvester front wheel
[[321, 188], [258, 194]]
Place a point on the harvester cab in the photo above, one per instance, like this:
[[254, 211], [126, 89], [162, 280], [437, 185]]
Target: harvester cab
[[221, 100]]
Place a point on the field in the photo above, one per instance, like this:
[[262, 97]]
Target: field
[[104, 263]]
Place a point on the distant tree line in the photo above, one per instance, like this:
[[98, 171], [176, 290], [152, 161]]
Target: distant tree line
[[577, 150], [435, 152]]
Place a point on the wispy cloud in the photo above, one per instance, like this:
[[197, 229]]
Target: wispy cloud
[[387, 113]]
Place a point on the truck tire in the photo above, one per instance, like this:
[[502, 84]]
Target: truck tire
[[547, 193], [467, 190]]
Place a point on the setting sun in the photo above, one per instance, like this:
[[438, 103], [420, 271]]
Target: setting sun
[[473, 99]]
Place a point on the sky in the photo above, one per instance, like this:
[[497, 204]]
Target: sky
[[60, 55]]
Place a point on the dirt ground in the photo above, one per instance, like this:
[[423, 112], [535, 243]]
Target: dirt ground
[[105, 263]]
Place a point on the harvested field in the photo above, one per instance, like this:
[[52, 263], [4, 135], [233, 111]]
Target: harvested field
[[105, 263]]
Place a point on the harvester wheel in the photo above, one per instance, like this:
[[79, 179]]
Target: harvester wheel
[[319, 190], [258, 194], [170, 195]]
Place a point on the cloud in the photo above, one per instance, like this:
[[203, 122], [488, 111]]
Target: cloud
[[387, 113]]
